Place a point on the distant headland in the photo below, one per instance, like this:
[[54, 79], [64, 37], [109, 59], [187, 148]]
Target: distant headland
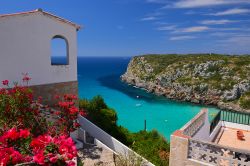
[[209, 79]]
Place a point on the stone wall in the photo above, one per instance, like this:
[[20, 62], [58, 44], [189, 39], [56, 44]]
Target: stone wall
[[179, 151], [179, 143], [48, 91]]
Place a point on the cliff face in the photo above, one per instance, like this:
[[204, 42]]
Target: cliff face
[[218, 80]]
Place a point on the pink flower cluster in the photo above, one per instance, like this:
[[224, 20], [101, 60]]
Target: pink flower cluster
[[24, 135], [47, 148], [13, 134], [10, 149], [67, 113], [42, 150]]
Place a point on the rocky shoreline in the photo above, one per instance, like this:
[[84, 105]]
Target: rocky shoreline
[[140, 73]]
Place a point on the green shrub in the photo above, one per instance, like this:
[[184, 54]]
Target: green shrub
[[105, 118], [214, 68], [150, 145], [130, 159], [245, 100]]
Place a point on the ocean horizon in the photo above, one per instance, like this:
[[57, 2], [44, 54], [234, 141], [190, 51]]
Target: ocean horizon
[[101, 76]]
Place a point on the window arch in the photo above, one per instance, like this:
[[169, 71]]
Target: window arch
[[59, 51]]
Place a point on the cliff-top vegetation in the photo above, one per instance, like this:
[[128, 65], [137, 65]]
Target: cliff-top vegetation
[[199, 78]]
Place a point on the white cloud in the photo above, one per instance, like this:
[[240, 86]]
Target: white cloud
[[231, 12], [149, 18], [192, 29], [166, 28], [204, 3], [212, 22], [181, 37]]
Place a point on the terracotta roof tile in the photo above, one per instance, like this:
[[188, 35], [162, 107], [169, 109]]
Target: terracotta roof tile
[[44, 13]]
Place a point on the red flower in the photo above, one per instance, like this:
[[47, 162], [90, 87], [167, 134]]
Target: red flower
[[16, 157], [83, 113], [71, 163], [64, 104], [56, 97], [26, 78], [9, 156], [5, 82], [39, 100], [70, 97], [76, 125], [53, 159], [12, 134], [73, 110], [24, 133], [57, 112], [40, 142], [63, 148], [39, 158]]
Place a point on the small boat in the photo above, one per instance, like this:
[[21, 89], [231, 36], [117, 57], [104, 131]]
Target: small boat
[[138, 105]]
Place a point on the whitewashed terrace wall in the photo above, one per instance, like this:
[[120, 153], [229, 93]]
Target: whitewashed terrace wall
[[25, 46], [106, 139], [236, 125], [204, 132]]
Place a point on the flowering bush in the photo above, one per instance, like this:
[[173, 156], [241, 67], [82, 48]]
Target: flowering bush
[[25, 136], [56, 150], [14, 147], [17, 106], [18, 146], [67, 114]]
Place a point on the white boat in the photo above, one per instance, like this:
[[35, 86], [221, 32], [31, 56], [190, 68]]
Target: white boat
[[138, 105]]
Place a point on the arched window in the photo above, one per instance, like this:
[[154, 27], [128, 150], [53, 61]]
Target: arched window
[[59, 51]]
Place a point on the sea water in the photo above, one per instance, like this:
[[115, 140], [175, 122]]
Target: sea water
[[101, 76]]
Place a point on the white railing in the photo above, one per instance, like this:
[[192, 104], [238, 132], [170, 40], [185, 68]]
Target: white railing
[[108, 140], [214, 154]]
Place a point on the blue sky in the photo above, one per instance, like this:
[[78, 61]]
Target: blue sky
[[134, 27]]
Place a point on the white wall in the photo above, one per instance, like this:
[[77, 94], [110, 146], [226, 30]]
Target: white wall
[[236, 125], [204, 132], [105, 138], [25, 47]]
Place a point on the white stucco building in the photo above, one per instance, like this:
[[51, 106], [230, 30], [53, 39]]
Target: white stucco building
[[25, 44], [25, 47]]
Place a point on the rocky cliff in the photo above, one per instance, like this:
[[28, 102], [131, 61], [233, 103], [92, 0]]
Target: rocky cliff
[[209, 79]]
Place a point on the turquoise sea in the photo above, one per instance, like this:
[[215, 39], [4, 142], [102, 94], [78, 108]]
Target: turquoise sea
[[101, 76]]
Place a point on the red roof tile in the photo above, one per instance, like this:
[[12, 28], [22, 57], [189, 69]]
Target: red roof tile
[[44, 13]]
